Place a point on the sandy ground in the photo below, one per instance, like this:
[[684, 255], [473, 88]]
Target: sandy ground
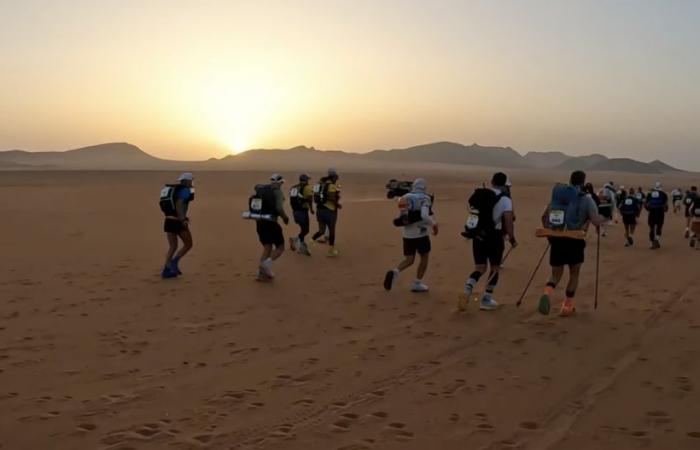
[[97, 352]]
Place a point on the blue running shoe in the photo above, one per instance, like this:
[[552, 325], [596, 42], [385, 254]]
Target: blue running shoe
[[175, 267], [168, 273]]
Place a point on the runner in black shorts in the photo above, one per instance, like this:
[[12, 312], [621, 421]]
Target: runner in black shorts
[[567, 252]]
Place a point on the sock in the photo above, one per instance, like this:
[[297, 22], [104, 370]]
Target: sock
[[549, 289], [570, 295], [396, 272], [471, 282], [493, 281]]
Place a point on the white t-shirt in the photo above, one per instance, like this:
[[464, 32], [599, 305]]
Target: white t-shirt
[[503, 206], [421, 228]]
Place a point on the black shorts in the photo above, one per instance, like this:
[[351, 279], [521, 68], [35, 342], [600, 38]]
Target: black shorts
[[489, 249], [420, 245], [173, 226], [656, 217], [566, 252], [327, 216], [269, 233], [606, 211], [629, 219]]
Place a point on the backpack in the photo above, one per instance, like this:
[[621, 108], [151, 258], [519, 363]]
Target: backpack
[[605, 197], [296, 198], [480, 222], [630, 207], [656, 200], [168, 198], [410, 206], [321, 193], [565, 210], [263, 201]]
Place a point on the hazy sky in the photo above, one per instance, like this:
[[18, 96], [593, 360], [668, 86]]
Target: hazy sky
[[200, 78]]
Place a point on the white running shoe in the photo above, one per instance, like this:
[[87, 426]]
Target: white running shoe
[[488, 304], [419, 286], [266, 267]]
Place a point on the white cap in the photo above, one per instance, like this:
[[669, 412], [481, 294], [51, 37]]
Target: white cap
[[276, 178], [657, 185], [187, 176]]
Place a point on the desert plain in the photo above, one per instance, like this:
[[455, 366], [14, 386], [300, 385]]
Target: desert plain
[[98, 352]]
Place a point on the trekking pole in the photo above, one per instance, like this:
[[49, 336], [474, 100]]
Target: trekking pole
[[597, 270], [527, 288]]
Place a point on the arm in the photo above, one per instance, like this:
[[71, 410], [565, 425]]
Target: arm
[[180, 210], [427, 218], [508, 223], [309, 196], [545, 216], [279, 204]]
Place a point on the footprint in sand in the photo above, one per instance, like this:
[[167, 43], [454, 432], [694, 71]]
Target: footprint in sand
[[693, 434], [379, 415], [529, 425]]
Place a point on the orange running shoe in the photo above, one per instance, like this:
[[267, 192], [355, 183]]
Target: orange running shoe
[[567, 308]]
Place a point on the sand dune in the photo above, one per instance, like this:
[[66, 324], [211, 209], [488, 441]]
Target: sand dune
[[97, 352]]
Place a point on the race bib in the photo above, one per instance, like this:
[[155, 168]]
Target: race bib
[[556, 218], [256, 204], [629, 202], [655, 194], [473, 220], [294, 192]]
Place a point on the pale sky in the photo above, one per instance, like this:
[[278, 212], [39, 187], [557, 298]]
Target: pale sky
[[195, 79]]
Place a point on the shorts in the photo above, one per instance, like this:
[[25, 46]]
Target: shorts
[[301, 217], [173, 226], [629, 219], [489, 249], [269, 233], [606, 211], [420, 245], [326, 216], [566, 252], [656, 217]]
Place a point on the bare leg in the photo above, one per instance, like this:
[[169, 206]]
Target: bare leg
[[423, 265], [186, 237], [172, 248], [406, 263], [267, 250], [557, 273], [277, 252]]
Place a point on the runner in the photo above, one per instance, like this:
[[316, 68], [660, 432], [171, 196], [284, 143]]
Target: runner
[[416, 219], [327, 199], [301, 198], [630, 210], [570, 209], [174, 202], [657, 205], [690, 197], [695, 222], [268, 204], [677, 198], [491, 219], [607, 206]]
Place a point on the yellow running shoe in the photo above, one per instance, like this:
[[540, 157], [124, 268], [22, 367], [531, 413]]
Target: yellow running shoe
[[333, 252]]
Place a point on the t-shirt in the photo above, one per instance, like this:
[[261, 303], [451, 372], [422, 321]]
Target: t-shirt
[[504, 205], [421, 228], [332, 196], [183, 193], [664, 199]]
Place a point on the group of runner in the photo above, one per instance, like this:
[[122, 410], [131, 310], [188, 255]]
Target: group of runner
[[572, 208]]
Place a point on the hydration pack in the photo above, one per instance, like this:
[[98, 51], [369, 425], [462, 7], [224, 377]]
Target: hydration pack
[[629, 207], [321, 193], [296, 198], [639, 196], [606, 197], [656, 200], [410, 206], [168, 198], [566, 208], [480, 222], [689, 198], [263, 201]]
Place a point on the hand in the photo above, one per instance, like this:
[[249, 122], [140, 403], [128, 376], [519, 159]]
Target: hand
[[435, 230]]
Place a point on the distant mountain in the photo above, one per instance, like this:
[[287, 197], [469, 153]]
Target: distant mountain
[[453, 153], [124, 156], [546, 159], [104, 156]]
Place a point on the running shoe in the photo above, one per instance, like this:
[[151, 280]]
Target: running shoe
[[419, 286], [488, 303], [544, 305], [389, 279], [175, 266], [567, 308], [333, 252], [168, 273], [266, 268], [304, 249]]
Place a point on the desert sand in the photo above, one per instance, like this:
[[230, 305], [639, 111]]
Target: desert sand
[[97, 352]]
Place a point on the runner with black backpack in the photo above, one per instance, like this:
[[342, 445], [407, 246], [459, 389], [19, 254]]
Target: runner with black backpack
[[301, 198], [327, 199], [657, 205], [174, 202], [489, 222], [266, 205]]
